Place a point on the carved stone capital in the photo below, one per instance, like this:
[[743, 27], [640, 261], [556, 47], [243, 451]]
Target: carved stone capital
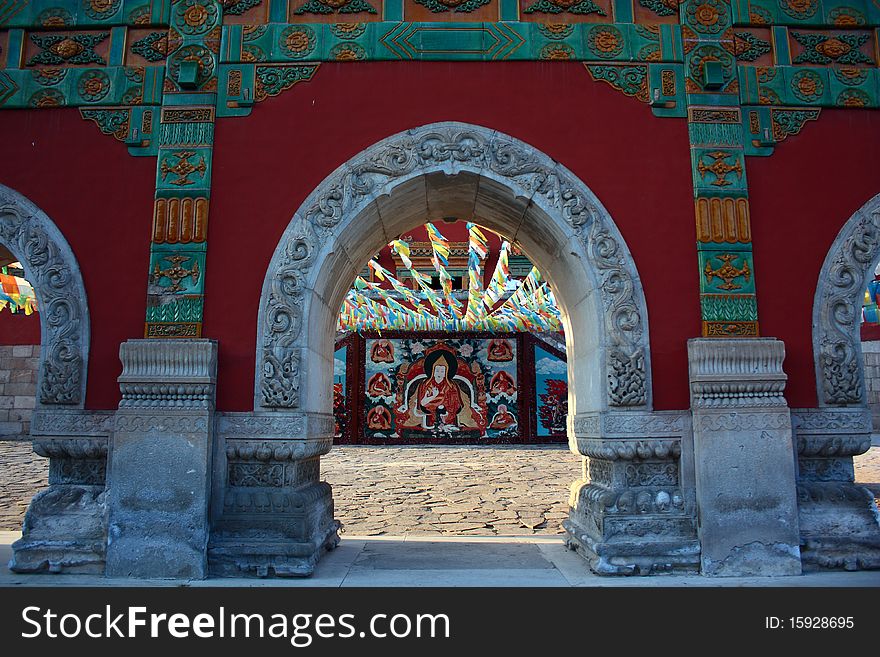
[[630, 450], [174, 374], [742, 372], [71, 448], [264, 451]]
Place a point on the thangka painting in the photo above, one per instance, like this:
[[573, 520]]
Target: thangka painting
[[339, 410], [449, 390], [551, 390]]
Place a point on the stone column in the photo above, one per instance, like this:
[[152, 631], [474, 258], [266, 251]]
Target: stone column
[[744, 458], [839, 522], [633, 512], [65, 528], [161, 460]]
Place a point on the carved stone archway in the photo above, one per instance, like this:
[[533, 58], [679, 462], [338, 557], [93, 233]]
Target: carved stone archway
[[849, 265], [508, 185], [434, 172], [52, 269]]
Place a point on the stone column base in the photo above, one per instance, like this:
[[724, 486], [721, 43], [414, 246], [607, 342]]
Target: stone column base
[[840, 526], [65, 527], [643, 550], [839, 522], [65, 530], [266, 533], [632, 513]]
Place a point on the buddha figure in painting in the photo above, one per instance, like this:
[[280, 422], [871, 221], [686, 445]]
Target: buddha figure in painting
[[439, 398]]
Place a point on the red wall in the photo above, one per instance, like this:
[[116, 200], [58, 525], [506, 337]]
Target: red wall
[[100, 198], [19, 328], [265, 165], [800, 198]]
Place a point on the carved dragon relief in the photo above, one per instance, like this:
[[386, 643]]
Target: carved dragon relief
[[840, 377], [450, 147], [52, 270]]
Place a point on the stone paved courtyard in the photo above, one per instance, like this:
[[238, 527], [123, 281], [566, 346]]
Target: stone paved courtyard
[[418, 490]]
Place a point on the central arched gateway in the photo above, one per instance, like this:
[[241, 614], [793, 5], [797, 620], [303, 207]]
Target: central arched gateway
[[432, 172]]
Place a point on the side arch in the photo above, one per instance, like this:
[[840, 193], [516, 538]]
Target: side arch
[[51, 268], [837, 350], [516, 189]]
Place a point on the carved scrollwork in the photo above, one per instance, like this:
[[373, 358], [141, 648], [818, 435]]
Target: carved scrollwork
[[839, 369], [280, 380], [830, 420], [51, 268], [55, 422], [452, 147]]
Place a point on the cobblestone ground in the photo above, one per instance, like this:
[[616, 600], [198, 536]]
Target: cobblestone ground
[[398, 490]]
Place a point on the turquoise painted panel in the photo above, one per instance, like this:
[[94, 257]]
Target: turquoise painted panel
[[185, 169], [760, 142], [509, 10], [781, 47], [153, 79], [392, 10], [230, 43], [722, 99], [347, 41], [83, 14], [719, 171], [169, 249], [727, 271], [740, 12], [664, 104], [278, 10], [160, 10], [749, 88], [556, 41], [15, 49], [8, 88], [623, 10], [670, 43], [806, 86], [292, 43], [236, 97], [117, 46], [194, 98], [609, 42], [448, 39], [642, 43], [849, 12], [174, 262], [853, 87]]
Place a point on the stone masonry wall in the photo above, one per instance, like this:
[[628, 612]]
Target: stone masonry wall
[[18, 388]]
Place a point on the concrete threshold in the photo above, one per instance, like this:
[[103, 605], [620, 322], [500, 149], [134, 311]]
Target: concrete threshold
[[416, 560]]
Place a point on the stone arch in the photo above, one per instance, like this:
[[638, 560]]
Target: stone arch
[[840, 375], [454, 169], [51, 267]]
